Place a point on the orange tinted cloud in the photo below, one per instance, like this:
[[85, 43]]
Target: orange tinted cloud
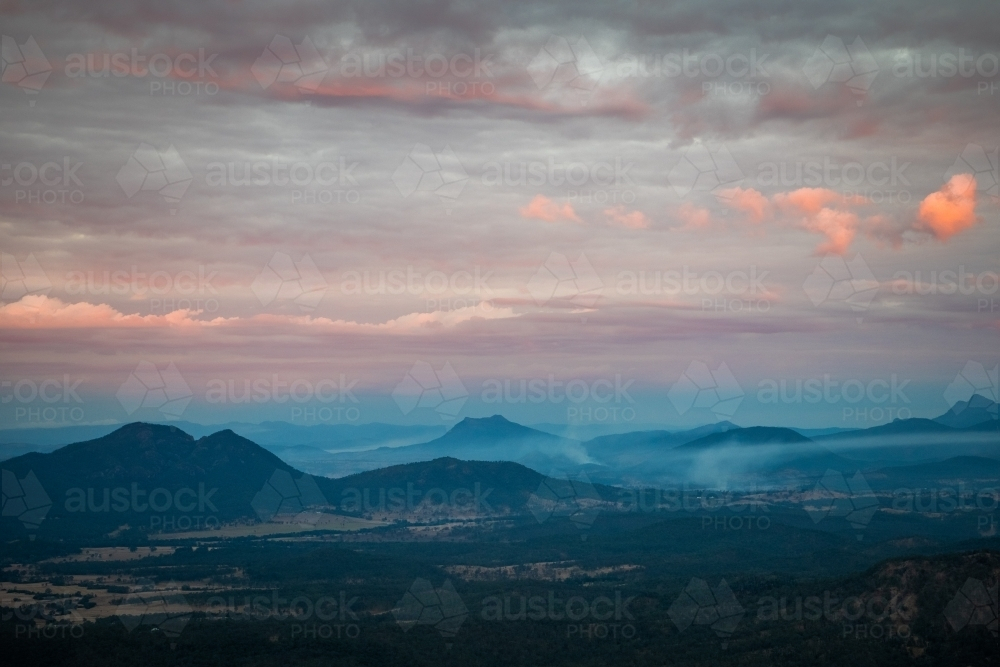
[[43, 312], [807, 200], [543, 208], [750, 201], [839, 227], [950, 210], [822, 211], [694, 217], [621, 216], [503, 91]]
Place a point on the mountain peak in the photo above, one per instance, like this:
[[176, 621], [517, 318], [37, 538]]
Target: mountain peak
[[144, 429], [495, 425], [495, 419], [963, 414], [751, 435], [225, 433]]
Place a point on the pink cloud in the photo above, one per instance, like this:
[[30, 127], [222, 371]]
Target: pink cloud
[[950, 210], [819, 210], [694, 217], [506, 90], [622, 217], [543, 208], [750, 201], [839, 227], [43, 312], [807, 200]]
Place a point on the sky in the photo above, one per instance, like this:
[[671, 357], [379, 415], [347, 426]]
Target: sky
[[629, 213]]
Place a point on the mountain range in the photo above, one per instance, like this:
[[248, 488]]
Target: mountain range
[[716, 454], [141, 471]]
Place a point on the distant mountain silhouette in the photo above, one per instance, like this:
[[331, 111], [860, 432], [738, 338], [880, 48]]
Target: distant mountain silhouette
[[479, 439], [975, 472], [915, 425], [964, 414], [229, 471], [639, 457], [753, 435], [140, 466], [662, 439], [269, 434], [908, 441], [504, 487], [223, 472], [9, 450]]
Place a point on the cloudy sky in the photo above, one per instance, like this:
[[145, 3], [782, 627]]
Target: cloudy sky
[[630, 213]]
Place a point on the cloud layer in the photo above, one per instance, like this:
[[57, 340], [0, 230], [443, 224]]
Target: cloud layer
[[361, 186]]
